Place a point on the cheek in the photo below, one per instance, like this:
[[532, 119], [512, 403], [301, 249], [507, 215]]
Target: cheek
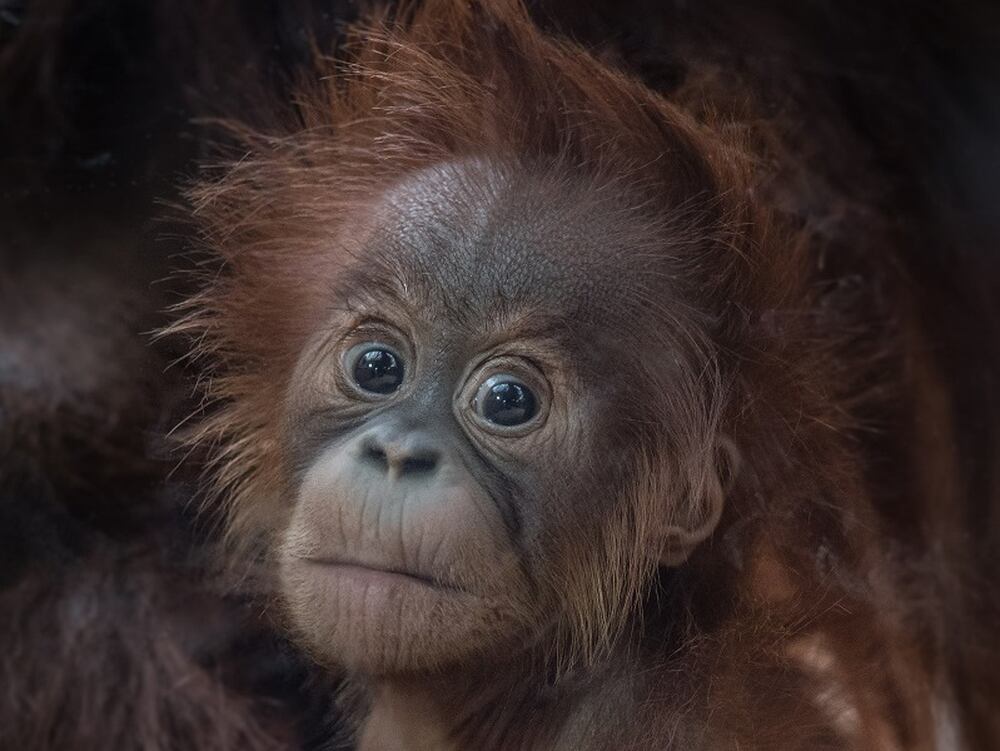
[[578, 517], [388, 577]]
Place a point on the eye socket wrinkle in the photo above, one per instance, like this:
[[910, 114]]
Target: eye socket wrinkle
[[499, 488]]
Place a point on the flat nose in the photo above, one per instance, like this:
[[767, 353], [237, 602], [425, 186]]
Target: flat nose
[[409, 455]]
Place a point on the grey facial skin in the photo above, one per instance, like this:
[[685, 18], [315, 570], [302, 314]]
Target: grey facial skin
[[421, 533]]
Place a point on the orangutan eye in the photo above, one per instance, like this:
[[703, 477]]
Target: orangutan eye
[[376, 369], [505, 401]]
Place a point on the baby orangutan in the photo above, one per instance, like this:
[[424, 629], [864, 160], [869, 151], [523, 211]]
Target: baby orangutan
[[524, 392]]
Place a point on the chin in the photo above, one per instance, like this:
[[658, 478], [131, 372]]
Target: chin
[[382, 622]]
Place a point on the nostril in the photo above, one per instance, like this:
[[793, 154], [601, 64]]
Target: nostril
[[415, 465], [375, 454]]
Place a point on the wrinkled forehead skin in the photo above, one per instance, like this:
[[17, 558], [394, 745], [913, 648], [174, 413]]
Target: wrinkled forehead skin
[[476, 244]]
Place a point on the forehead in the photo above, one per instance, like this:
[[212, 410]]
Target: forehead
[[476, 240]]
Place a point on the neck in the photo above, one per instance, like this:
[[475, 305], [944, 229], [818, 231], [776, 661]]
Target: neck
[[493, 707]]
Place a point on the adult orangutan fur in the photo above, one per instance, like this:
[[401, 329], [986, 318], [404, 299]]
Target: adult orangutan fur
[[777, 559], [117, 630]]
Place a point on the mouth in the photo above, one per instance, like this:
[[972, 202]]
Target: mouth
[[382, 575]]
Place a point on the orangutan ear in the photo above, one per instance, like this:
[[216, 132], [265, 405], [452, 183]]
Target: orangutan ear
[[703, 504]]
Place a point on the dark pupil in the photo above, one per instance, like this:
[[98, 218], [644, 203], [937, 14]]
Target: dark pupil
[[378, 371], [508, 403]]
